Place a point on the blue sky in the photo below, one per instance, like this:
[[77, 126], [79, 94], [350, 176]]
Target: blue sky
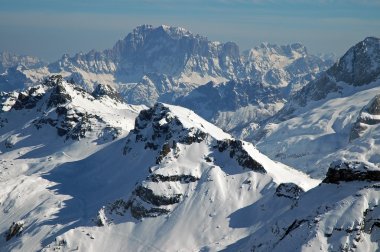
[[49, 28]]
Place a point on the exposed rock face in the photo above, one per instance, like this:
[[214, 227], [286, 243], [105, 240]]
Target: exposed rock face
[[161, 131], [360, 65], [287, 66], [271, 74], [10, 142], [368, 116], [105, 90], [165, 127], [28, 100], [236, 151], [14, 230], [371, 219], [53, 104], [221, 103], [167, 135], [345, 171], [148, 196], [172, 178], [340, 217], [179, 51], [58, 96], [374, 106], [138, 210], [318, 90], [70, 123], [110, 133], [22, 100], [289, 190]]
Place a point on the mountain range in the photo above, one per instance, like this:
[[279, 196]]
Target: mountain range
[[117, 150], [170, 64], [334, 116]]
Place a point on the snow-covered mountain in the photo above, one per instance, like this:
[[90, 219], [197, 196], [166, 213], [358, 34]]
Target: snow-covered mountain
[[334, 116], [11, 70], [172, 65], [234, 104], [82, 170], [341, 214], [273, 73], [85, 171], [160, 51], [8, 59], [289, 67], [165, 63]]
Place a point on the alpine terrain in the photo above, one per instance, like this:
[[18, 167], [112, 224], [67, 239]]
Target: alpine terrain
[[332, 117], [85, 171], [171, 142], [172, 65]]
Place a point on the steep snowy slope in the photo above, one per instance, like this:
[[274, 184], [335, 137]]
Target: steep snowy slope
[[174, 182], [341, 214], [183, 184], [332, 117], [41, 128]]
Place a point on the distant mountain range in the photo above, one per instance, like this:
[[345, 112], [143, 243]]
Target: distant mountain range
[[167, 63]]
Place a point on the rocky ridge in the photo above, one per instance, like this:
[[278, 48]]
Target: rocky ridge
[[341, 214], [166, 134]]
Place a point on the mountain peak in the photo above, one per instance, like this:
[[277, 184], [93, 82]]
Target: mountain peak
[[102, 90], [371, 39], [285, 50], [360, 64], [171, 117], [346, 171], [9, 59], [172, 31]]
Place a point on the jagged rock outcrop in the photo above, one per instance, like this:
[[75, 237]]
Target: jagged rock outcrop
[[347, 171], [236, 151], [58, 96], [357, 67], [327, 119], [105, 90], [54, 103], [167, 132], [14, 230], [289, 190], [368, 116], [341, 214], [179, 53], [22, 100]]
